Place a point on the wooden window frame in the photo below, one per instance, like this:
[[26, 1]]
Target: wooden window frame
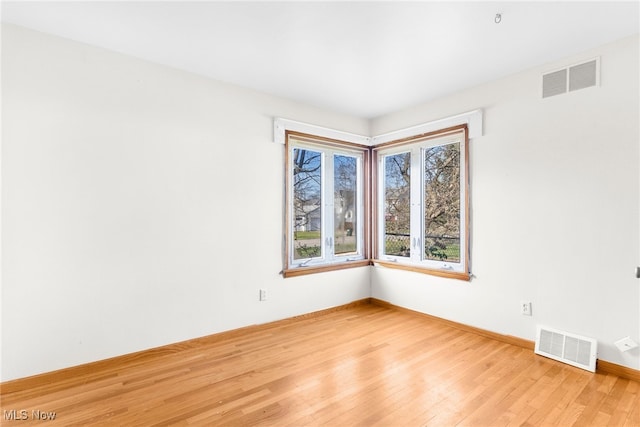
[[292, 269], [396, 262], [371, 215]]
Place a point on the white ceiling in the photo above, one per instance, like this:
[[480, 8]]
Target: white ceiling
[[360, 58]]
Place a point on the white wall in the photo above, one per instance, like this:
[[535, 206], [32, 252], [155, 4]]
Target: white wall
[[555, 208], [142, 206]]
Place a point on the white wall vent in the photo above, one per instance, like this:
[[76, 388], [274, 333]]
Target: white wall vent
[[565, 347], [574, 77], [554, 83]]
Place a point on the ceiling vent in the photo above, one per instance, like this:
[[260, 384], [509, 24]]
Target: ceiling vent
[[569, 348], [578, 76]]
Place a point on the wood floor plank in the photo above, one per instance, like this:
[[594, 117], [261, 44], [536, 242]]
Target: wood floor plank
[[362, 366]]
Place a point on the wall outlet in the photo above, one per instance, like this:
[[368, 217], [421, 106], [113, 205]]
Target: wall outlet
[[263, 294], [525, 308]]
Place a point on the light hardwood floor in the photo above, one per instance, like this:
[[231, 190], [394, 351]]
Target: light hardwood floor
[[361, 366]]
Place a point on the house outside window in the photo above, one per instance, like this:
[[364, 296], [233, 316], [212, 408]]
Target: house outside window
[[325, 203]]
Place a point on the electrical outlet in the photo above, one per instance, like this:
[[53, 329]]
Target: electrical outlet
[[525, 308], [263, 294]]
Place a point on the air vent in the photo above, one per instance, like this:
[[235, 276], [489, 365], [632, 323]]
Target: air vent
[[554, 83], [578, 76], [565, 347]]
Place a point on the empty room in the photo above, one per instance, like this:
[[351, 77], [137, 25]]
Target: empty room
[[320, 213]]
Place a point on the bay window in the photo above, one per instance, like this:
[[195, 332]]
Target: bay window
[[400, 204]]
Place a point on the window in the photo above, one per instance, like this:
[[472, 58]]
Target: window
[[325, 203], [401, 203], [421, 193]]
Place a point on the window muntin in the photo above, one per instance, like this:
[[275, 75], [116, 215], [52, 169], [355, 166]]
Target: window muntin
[[325, 202], [433, 172]]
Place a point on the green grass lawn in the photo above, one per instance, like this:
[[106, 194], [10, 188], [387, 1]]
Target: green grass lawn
[[304, 235], [305, 251], [451, 252], [395, 247], [400, 247]]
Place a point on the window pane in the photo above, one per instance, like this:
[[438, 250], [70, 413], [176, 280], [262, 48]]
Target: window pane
[[442, 203], [345, 171], [397, 204], [307, 203]]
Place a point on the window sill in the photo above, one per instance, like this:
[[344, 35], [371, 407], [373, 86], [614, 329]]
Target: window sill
[[440, 273], [301, 271]]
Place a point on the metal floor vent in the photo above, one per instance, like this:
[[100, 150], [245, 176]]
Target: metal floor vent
[[578, 76], [565, 347]]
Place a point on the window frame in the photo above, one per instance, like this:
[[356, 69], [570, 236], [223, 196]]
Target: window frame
[[369, 211], [416, 262], [328, 260]]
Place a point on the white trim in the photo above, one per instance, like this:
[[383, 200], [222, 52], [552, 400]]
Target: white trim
[[280, 126], [473, 120]]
